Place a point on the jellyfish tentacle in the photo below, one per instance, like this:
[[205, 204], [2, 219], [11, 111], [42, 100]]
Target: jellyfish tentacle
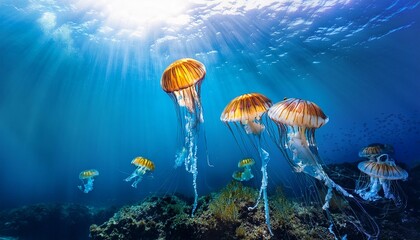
[[265, 157], [191, 158], [139, 178], [88, 185], [143, 166], [387, 189], [304, 160]]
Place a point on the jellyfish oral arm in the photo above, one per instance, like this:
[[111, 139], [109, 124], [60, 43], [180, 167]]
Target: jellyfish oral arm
[[302, 157], [370, 193], [138, 173], [252, 126], [188, 154], [304, 160], [387, 189], [265, 157], [88, 186]]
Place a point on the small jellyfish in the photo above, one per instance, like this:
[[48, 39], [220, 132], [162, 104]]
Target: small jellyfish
[[182, 81], [375, 149], [243, 117], [143, 165], [383, 174], [297, 120], [87, 180], [246, 164]]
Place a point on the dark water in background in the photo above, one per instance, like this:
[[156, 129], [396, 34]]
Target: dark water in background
[[80, 90]]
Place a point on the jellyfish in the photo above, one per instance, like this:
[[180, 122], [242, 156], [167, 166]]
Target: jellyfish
[[143, 166], [87, 180], [244, 113], [297, 120], [375, 149], [246, 164], [182, 80], [383, 174]]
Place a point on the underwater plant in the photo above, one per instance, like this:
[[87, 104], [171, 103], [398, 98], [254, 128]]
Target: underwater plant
[[283, 207], [383, 174], [86, 177], [143, 165], [244, 113], [182, 81], [225, 206]]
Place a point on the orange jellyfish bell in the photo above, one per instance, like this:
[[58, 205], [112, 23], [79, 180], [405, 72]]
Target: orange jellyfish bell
[[375, 149], [298, 112], [180, 79], [247, 109], [383, 170]]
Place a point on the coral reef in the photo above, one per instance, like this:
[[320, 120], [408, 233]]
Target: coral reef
[[225, 215], [222, 215], [226, 205]]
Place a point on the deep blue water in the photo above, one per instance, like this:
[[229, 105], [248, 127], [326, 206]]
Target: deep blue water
[[80, 88]]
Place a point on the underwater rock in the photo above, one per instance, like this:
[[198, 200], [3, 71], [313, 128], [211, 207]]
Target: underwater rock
[[49, 221], [222, 215], [225, 215]]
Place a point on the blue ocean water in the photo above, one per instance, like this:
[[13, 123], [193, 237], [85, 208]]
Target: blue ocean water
[[80, 87]]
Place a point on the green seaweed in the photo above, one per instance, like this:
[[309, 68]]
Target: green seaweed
[[283, 207], [225, 206]]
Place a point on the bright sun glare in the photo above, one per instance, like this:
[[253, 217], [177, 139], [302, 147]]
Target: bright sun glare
[[140, 13]]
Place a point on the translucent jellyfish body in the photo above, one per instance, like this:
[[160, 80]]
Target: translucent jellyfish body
[[294, 133], [87, 180], [246, 165], [143, 166], [246, 173], [383, 174], [297, 121], [243, 117], [182, 81]]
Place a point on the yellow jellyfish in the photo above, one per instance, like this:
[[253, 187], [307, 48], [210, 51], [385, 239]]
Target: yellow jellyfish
[[246, 164], [244, 113], [182, 81], [87, 180], [143, 165], [246, 173]]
